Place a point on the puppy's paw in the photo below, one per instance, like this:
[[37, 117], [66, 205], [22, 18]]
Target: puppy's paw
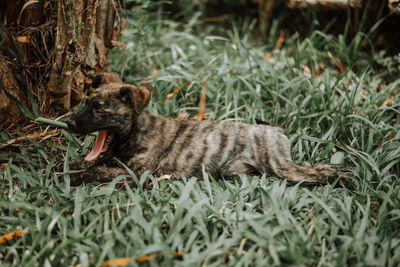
[[75, 165], [77, 170], [333, 172]]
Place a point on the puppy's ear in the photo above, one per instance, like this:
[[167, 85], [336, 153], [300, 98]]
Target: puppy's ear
[[137, 97], [105, 78], [97, 81], [126, 95]]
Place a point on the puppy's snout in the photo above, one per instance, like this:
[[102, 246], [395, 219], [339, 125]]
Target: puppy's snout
[[71, 124]]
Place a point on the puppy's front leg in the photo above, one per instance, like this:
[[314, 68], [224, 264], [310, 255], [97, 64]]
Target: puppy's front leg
[[74, 166], [86, 172], [102, 174]]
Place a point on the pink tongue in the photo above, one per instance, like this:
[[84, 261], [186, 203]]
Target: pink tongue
[[96, 150]]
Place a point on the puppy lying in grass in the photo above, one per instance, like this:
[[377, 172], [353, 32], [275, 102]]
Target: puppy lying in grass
[[142, 140]]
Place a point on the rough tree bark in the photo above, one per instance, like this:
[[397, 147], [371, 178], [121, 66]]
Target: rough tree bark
[[8, 110], [75, 35], [51, 49]]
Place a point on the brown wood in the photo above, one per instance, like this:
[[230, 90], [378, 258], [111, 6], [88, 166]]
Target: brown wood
[[53, 46], [9, 112]]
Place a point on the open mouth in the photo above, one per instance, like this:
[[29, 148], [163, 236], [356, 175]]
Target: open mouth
[[103, 141]]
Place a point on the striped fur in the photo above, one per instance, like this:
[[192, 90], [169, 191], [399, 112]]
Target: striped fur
[[147, 141]]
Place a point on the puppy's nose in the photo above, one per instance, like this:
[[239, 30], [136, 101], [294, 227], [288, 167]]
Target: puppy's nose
[[71, 124]]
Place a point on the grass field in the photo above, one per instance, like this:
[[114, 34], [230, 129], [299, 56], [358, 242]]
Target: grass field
[[338, 101]]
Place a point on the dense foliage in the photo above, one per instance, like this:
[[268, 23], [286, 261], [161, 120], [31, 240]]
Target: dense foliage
[[336, 98]]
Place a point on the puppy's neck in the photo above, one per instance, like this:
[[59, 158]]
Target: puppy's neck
[[145, 120]]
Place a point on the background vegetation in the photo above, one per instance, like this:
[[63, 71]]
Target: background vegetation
[[337, 98]]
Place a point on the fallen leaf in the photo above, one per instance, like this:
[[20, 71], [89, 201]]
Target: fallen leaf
[[24, 39], [170, 95], [383, 141], [307, 71], [311, 229], [10, 236], [320, 69], [151, 256], [241, 246], [159, 179], [214, 19], [149, 80], [381, 86], [339, 66], [337, 63], [28, 126], [202, 108], [34, 135], [387, 102], [280, 40], [364, 94], [126, 261], [117, 262], [37, 63]]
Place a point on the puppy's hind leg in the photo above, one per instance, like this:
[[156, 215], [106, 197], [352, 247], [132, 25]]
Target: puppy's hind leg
[[282, 165], [237, 166]]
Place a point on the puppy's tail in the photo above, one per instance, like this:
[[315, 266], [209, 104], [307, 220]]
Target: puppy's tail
[[318, 174]]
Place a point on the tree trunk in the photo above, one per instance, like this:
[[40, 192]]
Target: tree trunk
[[50, 50], [8, 110]]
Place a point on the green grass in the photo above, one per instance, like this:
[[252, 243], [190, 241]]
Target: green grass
[[249, 220]]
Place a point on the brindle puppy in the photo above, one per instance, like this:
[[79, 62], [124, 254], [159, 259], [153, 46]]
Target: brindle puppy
[[144, 141]]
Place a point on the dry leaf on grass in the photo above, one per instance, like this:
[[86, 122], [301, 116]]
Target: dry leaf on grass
[[214, 19], [383, 141], [338, 63], [380, 87], [148, 80], [33, 136], [170, 95], [307, 71], [126, 261], [10, 236], [320, 69], [280, 40], [387, 102], [202, 109], [159, 179], [151, 256], [24, 39], [117, 262], [311, 229]]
